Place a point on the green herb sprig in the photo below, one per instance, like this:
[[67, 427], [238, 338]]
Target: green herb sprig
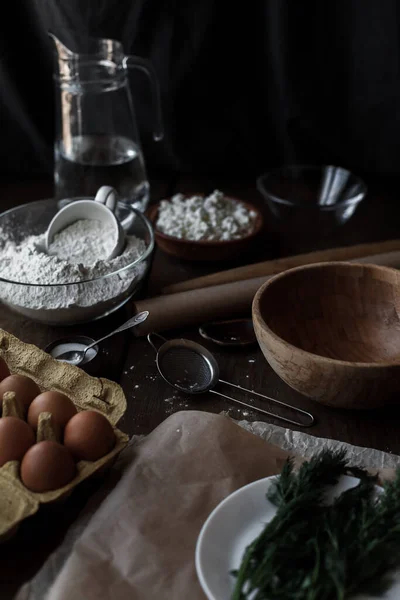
[[312, 550]]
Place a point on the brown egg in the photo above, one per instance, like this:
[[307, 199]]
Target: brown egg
[[47, 466], [89, 435], [24, 387], [16, 437], [56, 403], [4, 370]]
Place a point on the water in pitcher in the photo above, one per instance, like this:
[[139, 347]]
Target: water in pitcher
[[90, 161]]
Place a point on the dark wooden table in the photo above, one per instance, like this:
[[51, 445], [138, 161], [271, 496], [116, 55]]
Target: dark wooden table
[[130, 361]]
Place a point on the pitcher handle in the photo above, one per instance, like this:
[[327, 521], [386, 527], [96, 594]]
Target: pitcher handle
[[136, 62], [107, 195]]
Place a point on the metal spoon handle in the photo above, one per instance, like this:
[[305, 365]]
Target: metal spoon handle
[[139, 318]]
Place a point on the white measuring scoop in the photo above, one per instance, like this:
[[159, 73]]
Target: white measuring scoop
[[101, 208]]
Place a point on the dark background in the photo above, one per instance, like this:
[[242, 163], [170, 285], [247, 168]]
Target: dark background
[[245, 85]]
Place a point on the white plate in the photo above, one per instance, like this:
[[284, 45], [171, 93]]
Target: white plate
[[233, 524]]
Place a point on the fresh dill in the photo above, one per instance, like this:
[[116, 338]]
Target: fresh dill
[[314, 550]]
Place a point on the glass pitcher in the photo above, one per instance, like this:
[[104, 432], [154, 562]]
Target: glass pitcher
[[97, 141]]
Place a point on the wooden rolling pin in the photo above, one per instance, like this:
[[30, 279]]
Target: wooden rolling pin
[[224, 301], [271, 267]]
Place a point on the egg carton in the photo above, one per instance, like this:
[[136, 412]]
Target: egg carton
[[86, 392]]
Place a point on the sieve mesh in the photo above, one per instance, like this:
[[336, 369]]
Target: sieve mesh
[[185, 369]]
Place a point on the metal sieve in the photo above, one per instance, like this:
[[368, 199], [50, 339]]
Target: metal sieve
[[192, 369]]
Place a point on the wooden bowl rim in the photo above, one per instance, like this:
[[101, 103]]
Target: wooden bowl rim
[[257, 316], [153, 210]]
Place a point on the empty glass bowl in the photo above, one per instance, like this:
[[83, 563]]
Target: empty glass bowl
[[311, 199]]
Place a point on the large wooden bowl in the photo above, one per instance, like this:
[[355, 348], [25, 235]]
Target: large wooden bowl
[[332, 332], [205, 250]]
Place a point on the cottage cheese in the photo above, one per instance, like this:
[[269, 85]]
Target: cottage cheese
[[214, 218]]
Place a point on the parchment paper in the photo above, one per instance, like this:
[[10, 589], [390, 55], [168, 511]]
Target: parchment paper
[[137, 541], [306, 445]]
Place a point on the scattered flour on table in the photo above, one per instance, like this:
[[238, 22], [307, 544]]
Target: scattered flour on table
[[214, 218], [78, 249]]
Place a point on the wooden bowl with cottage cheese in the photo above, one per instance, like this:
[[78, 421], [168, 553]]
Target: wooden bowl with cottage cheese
[[205, 228]]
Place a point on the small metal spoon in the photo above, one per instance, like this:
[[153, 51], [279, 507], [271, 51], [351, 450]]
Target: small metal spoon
[[237, 332], [75, 357]]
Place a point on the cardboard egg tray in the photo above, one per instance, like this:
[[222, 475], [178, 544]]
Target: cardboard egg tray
[[87, 392]]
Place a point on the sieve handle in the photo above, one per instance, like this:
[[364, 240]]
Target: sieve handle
[[309, 416], [152, 344]]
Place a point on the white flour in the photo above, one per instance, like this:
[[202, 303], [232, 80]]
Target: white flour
[[215, 217], [85, 241], [27, 262]]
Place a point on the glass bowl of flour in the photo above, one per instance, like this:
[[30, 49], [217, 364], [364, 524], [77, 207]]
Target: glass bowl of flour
[[61, 288]]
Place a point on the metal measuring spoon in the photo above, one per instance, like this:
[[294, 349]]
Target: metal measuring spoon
[[101, 209], [237, 332], [75, 357]]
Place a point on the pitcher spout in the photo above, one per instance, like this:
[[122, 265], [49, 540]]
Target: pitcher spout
[[63, 52], [65, 59]]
